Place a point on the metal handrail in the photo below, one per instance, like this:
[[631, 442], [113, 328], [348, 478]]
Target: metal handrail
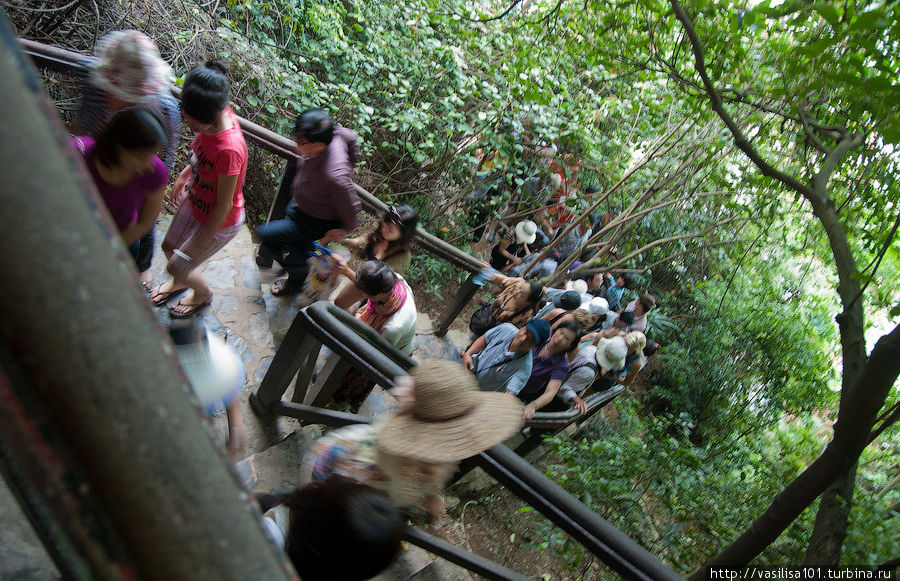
[[66, 61], [323, 323]]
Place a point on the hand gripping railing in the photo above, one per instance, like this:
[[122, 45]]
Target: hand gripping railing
[[362, 348]]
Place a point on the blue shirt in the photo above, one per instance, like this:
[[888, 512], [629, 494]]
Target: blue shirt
[[496, 369], [613, 295]]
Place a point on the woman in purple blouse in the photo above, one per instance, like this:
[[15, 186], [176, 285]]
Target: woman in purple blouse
[[129, 176], [549, 368]]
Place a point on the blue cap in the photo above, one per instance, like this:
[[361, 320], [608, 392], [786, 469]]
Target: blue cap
[[539, 329]]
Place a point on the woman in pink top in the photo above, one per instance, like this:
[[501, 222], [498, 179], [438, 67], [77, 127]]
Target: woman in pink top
[[129, 176], [209, 189]]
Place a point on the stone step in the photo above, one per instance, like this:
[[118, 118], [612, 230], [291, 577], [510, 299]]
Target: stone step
[[238, 315]]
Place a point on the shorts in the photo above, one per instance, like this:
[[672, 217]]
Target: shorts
[[184, 226]]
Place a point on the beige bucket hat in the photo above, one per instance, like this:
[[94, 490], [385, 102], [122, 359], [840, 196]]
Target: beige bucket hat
[[450, 419]]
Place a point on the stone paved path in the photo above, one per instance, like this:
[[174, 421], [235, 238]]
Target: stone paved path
[[253, 322]]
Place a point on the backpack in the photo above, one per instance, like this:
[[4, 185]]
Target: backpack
[[482, 320]]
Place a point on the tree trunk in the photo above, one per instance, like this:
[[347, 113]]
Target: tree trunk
[[858, 412], [832, 518]]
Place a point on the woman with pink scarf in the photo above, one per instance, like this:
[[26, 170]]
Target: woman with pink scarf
[[391, 311]]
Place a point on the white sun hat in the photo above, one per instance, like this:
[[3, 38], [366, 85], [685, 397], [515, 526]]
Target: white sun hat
[[611, 353], [526, 232]]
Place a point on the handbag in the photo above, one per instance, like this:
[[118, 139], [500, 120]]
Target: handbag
[[322, 278]]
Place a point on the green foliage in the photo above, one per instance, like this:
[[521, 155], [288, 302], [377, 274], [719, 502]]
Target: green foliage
[[434, 274], [652, 483], [746, 357]]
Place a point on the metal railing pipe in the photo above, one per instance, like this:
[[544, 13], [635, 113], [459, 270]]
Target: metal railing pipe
[[425, 239], [84, 335], [614, 548], [381, 362]]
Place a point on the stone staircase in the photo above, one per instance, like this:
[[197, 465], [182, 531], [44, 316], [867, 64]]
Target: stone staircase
[[253, 322]]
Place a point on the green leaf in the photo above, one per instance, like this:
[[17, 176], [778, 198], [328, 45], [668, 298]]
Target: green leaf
[[829, 13]]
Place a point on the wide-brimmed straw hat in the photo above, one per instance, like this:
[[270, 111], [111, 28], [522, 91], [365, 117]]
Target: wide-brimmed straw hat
[[526, 232], [450, 419], [611, 353], [129, 67]]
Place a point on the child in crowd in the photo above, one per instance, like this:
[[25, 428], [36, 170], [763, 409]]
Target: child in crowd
[[336, 530], [389, 241], [216, 375], [129, 176], [212, 212]]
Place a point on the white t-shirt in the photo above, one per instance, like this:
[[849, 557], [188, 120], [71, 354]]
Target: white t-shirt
[[276, 522], [400, 329]]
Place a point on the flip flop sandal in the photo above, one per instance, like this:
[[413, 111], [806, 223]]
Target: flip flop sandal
[[281, 288], [191, 309], [163, 297]]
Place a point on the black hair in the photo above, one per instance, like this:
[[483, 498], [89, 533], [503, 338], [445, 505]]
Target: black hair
[[206, 91], [375, 277], [406, 218], [572, 326], [651, 349], [134, 129], [315, 126], [627, 317], [337, 515], [535, 292]]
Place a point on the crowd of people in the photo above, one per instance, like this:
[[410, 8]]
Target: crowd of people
[[534, 348]]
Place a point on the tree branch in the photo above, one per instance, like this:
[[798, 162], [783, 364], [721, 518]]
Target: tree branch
[[848, 142], [887, 244], [807, 127], [715, 99], [498, 17], [886, 423]]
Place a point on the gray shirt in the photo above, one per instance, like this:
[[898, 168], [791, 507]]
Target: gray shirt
[[582, 372], [496, 369]]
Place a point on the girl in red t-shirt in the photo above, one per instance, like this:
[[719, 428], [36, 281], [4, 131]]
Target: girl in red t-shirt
[[211, 208]]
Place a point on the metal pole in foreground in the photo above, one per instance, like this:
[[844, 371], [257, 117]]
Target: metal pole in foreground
[[75, 322]]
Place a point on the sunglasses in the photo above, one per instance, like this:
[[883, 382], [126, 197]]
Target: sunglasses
[[392, 216]]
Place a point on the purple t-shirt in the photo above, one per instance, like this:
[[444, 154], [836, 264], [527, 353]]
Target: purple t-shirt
[[544, 368], [123, 202], [323, 186]]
